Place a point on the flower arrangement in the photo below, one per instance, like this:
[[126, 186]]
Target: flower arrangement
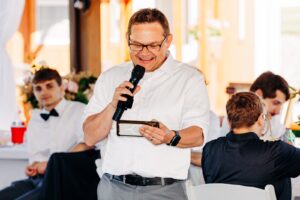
[[78, 87], [295, 93]]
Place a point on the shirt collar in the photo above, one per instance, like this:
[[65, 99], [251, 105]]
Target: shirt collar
[[59, 107], [166, 67], [242, 137], [168, 64]]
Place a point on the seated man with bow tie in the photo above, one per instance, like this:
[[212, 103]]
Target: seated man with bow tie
[[56, 127]]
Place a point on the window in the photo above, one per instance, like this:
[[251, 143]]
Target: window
[[52, 22]]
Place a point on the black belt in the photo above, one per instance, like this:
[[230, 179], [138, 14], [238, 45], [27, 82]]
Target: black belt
[[142, 181]]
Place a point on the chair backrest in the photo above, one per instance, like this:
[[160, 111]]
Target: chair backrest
[[217, 191]]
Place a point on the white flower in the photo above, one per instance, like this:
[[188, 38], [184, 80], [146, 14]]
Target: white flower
[[72, 86], [28, 77]]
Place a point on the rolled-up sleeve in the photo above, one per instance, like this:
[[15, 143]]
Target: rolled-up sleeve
[[196, 105], [99, 99]]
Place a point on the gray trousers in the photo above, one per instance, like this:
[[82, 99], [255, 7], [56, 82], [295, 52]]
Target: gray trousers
[[196, 175], [114, 190]]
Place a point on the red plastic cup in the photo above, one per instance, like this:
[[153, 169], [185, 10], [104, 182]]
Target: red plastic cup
[[17, 134]]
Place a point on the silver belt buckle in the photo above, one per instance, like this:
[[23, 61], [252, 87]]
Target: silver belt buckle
[[124, 179], [163, 182]]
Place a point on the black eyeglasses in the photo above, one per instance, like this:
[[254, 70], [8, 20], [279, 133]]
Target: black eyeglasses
[[150, 47]]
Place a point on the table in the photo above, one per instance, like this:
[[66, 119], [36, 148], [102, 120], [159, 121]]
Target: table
[[13, 160]]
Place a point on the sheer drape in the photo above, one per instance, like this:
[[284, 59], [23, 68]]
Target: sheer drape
[[10, 15]]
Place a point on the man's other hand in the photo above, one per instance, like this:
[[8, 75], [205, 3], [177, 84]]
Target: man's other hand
[[31, 170], [36, 168]]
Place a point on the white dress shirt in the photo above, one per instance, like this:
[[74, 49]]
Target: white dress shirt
[[276, 130], [174, 94], [57, 134]]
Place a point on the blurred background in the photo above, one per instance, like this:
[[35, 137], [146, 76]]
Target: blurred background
[[230, 41]]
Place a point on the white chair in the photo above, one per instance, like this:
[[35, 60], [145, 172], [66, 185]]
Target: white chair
[[219, 191], [295, 188]]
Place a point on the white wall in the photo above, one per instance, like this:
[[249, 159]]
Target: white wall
[[237, 55]]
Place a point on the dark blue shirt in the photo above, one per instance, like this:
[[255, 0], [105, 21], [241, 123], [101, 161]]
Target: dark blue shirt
[[244, 159]]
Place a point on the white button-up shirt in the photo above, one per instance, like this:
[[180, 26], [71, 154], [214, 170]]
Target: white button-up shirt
[[174, 94], [276, 129], [57, 134]]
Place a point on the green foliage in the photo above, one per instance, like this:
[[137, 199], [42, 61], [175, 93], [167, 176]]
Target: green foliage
[[78, 87]]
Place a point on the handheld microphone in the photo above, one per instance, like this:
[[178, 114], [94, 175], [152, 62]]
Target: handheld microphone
[[136, 75]]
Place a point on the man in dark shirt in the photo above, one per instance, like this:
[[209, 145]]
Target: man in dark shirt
[[242, 158]]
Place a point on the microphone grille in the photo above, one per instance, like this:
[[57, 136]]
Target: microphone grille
[[138, 72]]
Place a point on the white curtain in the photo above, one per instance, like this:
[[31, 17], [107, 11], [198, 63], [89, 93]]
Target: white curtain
[[267, 32], [10, 15]]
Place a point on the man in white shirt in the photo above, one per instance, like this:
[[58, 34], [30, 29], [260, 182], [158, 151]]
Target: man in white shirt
[[57, 127], [153, 166], [274, 91]]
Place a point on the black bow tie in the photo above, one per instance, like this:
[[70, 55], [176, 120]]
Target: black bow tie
[[46, 116]]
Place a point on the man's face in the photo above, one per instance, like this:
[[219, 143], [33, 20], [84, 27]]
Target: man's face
[[151, 34], [274, 104], [48, 93]]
